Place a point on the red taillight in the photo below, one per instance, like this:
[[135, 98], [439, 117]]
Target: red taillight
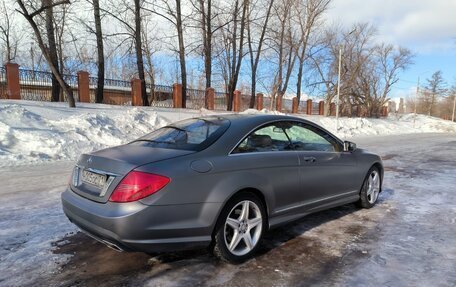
[[137, 185]]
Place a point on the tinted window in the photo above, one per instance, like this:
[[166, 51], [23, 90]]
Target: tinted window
[[192, 134], [268, 138], [308, 138]]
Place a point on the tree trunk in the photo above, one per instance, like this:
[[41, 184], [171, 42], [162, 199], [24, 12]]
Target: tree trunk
[[100, 52], [206, 23], [180, 35], [151, 72], [207, 31], [52, 47], [237, 51], [299, 81], [139, 52]]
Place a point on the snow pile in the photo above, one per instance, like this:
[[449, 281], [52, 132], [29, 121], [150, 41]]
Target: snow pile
[[401, 124], [28, 136], [34, 132]]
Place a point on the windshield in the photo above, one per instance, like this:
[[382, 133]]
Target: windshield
[[192, 134]]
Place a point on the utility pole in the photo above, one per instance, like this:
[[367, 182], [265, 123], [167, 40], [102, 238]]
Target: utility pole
[[342, 46], [338, 89], [416, 100], [454, 106]]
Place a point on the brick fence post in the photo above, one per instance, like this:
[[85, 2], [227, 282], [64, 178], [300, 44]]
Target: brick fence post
[[83, 87], [384, 111], [309, 107], [279, 103], [136, 97], [259, 101], [332, 109], [210, 98], [294, 106], [13, 87], [177, 96], [321, 108], [237, 101]]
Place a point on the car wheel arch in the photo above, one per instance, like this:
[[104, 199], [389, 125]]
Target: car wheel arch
[[379, 166], [252, 190]]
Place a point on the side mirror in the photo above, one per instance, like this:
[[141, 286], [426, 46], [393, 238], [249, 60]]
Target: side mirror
[[349, 146]]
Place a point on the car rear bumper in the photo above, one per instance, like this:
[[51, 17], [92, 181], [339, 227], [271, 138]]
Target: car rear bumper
[[135, 226]]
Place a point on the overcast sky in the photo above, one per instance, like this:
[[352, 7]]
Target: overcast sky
[[427, 27]]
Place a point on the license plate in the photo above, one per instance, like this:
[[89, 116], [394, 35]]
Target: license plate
[[95, 179]]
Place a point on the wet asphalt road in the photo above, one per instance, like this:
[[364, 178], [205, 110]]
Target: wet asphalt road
[[407, 239]]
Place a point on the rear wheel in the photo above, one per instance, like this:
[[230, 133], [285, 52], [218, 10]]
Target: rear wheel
[[240, 228], [371, 188]]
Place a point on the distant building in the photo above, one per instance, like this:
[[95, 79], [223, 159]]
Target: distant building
[[401, 108], [391, 107]]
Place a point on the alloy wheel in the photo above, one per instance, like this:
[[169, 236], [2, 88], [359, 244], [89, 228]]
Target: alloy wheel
[[243, 227], [373, 186]]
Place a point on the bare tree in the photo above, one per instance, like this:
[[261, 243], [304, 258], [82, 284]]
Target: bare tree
[[435, 88], [95, 28], [100, 52], [123, 12], [151, 44], [308, 15], [52, 47], [207, 14], [49, 53], [139, 51], [9, 36], [368, 70], [285, 49], [255, 43], [173, 15], [232, 54]]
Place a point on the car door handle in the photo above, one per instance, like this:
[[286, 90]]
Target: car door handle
[[309, 159]]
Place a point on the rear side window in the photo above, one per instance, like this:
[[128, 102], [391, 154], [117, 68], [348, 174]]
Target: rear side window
[[192, 134]]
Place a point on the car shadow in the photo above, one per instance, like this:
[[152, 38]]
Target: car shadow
[[91, 260]]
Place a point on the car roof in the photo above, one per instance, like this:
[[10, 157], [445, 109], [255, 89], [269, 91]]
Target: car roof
[[253, 119], [243, 123]]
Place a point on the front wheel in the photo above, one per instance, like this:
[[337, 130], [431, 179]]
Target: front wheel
[[370, 189], [240, 228]]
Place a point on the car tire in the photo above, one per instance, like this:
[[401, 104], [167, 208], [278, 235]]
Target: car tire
[[239, 228], [370, 189]]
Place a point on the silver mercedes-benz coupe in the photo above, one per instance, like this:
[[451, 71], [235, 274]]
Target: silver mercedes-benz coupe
[[218, 181]]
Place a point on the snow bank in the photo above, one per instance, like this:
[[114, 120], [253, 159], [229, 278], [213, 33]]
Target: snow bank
[[393, 125], [34, 132]]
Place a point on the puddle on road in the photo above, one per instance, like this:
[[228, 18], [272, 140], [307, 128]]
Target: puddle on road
[[91, 259], [303, 251]]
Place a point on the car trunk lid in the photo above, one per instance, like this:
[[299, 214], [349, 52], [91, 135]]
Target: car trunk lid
[[97, 174]]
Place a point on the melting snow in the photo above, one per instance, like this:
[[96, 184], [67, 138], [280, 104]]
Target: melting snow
[[36, 132]]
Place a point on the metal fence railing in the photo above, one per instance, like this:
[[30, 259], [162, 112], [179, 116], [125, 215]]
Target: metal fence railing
[[160, 96], [116, 92], [195, 99], [220, 101], [3, 94], [315, 108], [35, 85], [267, 102], [245, 102], [72, 81]]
